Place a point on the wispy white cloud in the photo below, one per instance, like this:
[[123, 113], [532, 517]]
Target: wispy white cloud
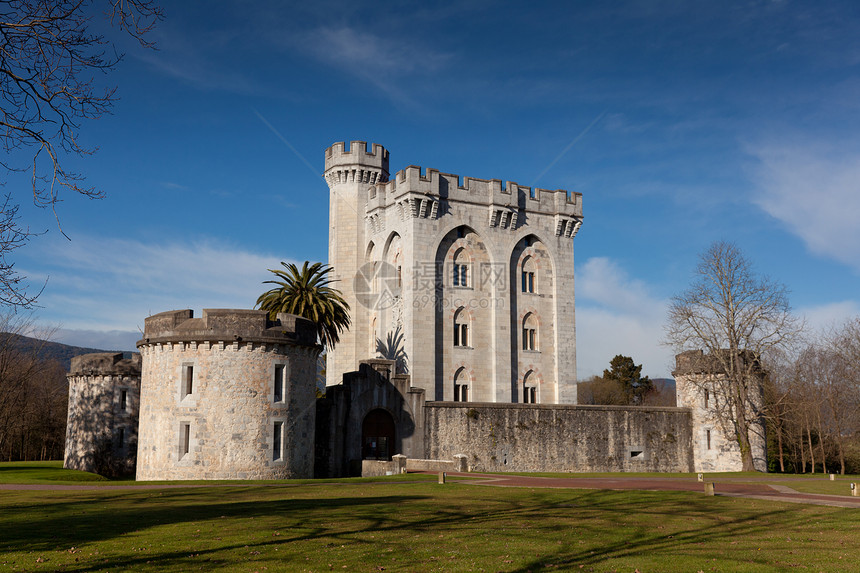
[[814, 189], [383, 61], [98, 284], [822, 318], [617, 314]]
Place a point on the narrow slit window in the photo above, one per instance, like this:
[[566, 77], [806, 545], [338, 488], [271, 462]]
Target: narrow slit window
[[707, 397], [708, 438], [123, 400], [187, 380], [121, 438], [279, 383], [184, 440], [278, 442]]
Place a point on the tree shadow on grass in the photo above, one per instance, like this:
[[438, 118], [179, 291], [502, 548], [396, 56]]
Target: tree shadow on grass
[[707, 524], [476, 517]]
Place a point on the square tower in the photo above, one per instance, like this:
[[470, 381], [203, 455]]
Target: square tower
[[466, 283]]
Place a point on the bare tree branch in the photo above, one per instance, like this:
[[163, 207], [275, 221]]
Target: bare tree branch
[[49, 58], [735, 317]]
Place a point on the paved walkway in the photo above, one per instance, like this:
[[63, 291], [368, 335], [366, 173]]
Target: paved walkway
[[728, 486], [749, 487]]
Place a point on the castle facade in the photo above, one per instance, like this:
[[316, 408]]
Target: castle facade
[[466, 283], [461, 356]]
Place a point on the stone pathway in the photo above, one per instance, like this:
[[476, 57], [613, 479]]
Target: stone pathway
[[729, 487]]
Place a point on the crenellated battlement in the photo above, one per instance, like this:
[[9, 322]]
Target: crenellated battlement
[[356, 163], [492, 192], [227, 325]]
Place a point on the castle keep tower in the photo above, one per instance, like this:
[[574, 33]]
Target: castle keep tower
[[467, 283], [101, 429], [229, 395]]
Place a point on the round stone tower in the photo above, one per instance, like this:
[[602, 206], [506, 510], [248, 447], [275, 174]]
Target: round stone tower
[[101, 429], [229, 395], [351, 173]]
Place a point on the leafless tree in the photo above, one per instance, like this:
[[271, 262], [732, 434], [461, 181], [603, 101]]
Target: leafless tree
[[49, 58], [735, 316]]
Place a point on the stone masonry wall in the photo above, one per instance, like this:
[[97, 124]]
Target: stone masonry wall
[[228, 420], [527, 438], [104, 392]]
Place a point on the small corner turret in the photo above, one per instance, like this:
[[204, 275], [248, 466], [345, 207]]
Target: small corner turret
[[356, 164]]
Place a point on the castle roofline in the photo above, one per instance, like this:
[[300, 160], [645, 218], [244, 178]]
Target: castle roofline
[[105, 363], [228, 325]]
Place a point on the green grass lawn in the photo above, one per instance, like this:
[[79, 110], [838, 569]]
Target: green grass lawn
[[406, 526], [45, 473]]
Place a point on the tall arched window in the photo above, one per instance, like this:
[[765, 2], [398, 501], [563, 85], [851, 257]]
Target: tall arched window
[[461, 268], [530, 332], [461, 386], [530, 391], [461, 327], [529, 284]]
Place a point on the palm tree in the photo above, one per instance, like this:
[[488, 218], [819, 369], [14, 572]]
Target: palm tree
[[307, 293]]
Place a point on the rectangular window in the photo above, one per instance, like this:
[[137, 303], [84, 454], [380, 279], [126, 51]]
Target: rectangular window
[[184, 439], [708, 438], [461, 334], [529, 339], [278, 441], [123, 400], [279, 383], [707, 396], [528, 281], [461, 275], [121, 438], [187, 380]]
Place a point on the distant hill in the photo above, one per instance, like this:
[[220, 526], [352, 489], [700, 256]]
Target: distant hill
[[62, 353]]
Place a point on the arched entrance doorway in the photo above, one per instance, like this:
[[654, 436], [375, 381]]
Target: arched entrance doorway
[[377, 435]]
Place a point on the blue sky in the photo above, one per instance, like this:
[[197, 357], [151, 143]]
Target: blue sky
[[681, 123]]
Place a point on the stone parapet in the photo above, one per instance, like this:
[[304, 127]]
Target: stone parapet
[[105, 363], [227, 325]]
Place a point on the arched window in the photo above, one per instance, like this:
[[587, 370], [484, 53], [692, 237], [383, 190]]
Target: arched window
[[461, 268], [530, 391], [528, 275], [461, 386], [398, 270], [461, 327], [530, 337]]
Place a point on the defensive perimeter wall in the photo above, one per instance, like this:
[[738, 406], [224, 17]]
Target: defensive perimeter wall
[[560, 438]]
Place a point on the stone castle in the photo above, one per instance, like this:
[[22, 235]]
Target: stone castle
[[461, 355], [476, 275]]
